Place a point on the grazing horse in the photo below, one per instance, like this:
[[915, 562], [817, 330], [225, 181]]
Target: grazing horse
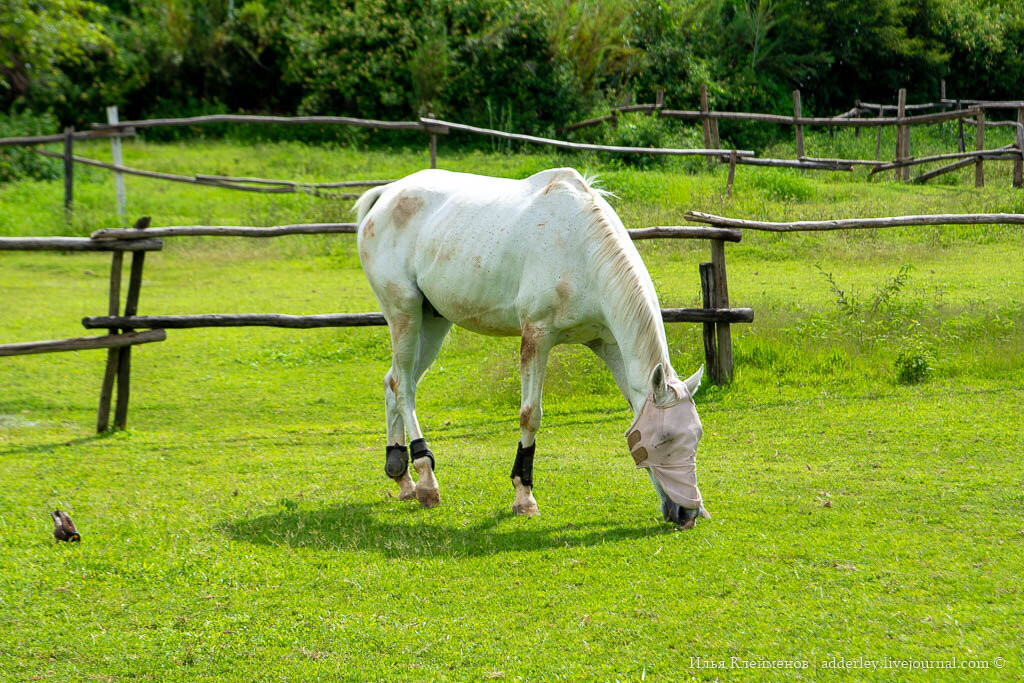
[[545, 259]]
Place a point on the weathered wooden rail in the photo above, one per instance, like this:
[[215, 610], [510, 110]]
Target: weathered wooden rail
[[121, 338], [716, 315]]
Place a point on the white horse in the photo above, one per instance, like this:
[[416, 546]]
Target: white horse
[[548, 260]]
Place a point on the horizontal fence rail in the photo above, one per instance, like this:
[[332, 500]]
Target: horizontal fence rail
[[245, 118], [857, 223], [822, 120], [669, 315], [580, 146], [987, 104], [226, 231], [142, 243], [60, 137], [259, 185], [1002, 153], [656, 232], [110, 341]]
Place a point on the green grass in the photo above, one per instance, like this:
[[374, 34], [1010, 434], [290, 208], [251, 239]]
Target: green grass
[[243, 528]]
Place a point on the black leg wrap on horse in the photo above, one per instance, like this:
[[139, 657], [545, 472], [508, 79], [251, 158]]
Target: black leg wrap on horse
[[396, 461], [419, 450], [523, 467]]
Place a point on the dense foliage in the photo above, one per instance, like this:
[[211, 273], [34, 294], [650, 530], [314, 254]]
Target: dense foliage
[[530, 65]]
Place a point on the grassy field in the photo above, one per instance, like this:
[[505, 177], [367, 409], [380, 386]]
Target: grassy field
[[864, 469]]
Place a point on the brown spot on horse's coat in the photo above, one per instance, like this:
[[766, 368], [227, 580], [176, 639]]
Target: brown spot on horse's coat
[[405, 208], [368, 230], [562, 291], [393, 383], [398, 323], [528, 345], [551, 185], [524, 416]]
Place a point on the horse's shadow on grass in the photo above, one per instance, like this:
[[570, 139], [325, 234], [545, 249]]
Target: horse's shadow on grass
[[403, 533]]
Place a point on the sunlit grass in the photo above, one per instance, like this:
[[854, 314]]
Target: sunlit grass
[[243, 527]]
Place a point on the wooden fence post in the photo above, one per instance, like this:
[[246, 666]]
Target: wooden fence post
[[979, 165], [878, 137], [69, 171], [659, 102], [723, 334], [901, 112], [732, 173], [707, 290], [131, 307], [906, 139], [960, 145], [1018, 165], [705, 121], [433, 146], [797, 113], [113, 355], [856, 129], [115, 155]]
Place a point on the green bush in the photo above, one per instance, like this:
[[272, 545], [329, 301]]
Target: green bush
[[21, 162], [914, 363]]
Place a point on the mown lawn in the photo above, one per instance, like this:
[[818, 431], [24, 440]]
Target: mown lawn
[[243, 528]]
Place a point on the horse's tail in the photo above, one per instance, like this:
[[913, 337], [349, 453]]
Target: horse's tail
[[367, 200]]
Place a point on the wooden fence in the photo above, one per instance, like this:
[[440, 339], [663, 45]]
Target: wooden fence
[[969, 112], [121, 338], [973, 114], [715, 315]]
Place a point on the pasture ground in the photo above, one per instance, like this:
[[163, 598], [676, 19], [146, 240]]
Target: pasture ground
[[242, 528]]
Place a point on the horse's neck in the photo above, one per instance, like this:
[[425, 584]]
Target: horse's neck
[[639, 333]]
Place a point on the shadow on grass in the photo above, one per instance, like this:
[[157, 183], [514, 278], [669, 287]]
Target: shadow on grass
[[404, 533]]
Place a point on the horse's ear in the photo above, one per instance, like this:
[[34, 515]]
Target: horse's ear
[[693, 381], [658, 385]]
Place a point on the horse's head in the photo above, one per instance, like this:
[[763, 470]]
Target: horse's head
[[664, 438]]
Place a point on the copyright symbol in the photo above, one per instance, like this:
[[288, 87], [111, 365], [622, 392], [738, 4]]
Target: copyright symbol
[[999, 662]]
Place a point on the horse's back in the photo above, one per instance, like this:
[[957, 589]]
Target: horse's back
[[483, 251]]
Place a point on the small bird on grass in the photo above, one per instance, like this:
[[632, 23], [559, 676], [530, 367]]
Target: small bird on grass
[[63, 528]]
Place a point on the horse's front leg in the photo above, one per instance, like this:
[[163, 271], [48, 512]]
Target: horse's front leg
[[396, 464], [533, 361]]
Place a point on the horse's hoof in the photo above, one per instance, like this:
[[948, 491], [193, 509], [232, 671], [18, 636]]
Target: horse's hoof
[[407, 495], [529, 510], [428, 498]]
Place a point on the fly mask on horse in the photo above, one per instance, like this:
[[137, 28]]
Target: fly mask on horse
[[545, 259]]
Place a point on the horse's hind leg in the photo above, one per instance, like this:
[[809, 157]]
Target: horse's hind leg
[[432, 333]]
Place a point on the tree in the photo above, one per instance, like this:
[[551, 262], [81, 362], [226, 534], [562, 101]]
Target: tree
[[36, 36]]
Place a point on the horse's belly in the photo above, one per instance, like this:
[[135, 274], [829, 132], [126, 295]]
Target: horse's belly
[[478, 301], [476, 314]]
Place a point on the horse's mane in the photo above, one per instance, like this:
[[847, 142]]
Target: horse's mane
[[629, 286]]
